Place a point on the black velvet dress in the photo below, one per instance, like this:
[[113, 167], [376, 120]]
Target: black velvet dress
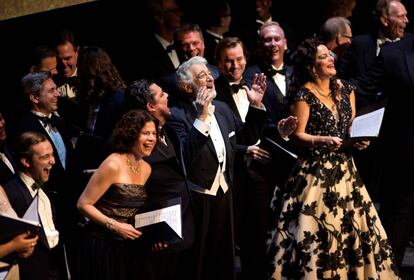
[[102, 253]]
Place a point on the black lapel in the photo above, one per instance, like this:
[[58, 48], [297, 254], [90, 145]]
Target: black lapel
[[409, 59]]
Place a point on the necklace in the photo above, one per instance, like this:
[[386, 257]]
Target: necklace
[[320, 92], [133, 169]]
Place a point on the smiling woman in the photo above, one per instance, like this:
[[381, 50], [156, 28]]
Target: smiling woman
[[113, 195], [12, 8]]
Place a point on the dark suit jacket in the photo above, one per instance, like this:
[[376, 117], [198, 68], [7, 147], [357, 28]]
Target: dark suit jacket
[[29, 122], [277, 105], [5, 172], [224, 94], [393, 73], [359, 57], [36, 266], [169, 180], [201, 157]]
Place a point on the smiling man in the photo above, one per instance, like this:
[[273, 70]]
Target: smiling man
[[41, 93], [35, 157], [209, 131]]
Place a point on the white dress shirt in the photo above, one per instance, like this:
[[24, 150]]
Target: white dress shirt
[[56, 138], [66, 90], [45, 211], [211, 128], [7, 162], [242, 102], [172, 54], [280, 80]]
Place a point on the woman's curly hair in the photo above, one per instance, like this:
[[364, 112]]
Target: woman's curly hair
[[304, 59], [128, 128]]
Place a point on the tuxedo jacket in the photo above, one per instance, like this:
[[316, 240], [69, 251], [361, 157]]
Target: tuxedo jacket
[[359, 57], [200, 155], [393, 73], [5, 172], [36, 266], [277, 105], [225, 94], [30, 122], [168, 180]]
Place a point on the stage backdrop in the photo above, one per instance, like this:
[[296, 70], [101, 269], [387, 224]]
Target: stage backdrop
[[17, 8]]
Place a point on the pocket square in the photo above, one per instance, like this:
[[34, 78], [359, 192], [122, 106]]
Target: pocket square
[[232, 133]]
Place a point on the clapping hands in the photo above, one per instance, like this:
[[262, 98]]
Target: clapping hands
[[287, 126], [256, 93]]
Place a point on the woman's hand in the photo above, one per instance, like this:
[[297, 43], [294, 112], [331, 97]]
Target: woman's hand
[[333, 142], [126, 231], [287, 126], [363, 144]]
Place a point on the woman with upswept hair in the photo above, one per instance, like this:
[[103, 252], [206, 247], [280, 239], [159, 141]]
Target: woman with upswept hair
[[326, 226]]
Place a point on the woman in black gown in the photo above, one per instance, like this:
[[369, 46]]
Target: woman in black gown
[[111, 198], [326, 224]]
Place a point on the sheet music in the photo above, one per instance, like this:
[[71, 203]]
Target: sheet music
[[367, 125], [31, 213], [283, 149], [171, 215], [3, 275]]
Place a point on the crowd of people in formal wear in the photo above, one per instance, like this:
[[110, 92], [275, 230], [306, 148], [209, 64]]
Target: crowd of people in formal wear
[[205, 120]]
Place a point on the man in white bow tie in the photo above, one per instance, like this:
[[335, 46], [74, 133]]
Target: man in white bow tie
[[35, 159], [208, 130]]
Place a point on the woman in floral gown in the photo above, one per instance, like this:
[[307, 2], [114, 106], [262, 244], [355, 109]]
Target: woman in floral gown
[[326, 226]]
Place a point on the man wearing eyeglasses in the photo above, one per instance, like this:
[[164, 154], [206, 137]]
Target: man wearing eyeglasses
[[336, 34]]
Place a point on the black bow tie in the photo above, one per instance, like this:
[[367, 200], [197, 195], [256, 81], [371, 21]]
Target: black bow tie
[[273, 71], [46, 121], [169, 48], [37, 185], [73, 82], [237, 87]]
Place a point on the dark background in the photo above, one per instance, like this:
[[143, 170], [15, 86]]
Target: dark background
[[120, 27]]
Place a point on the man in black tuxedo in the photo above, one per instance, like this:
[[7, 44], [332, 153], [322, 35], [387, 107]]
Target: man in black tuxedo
[[41, 92], [160, 57], [217, 26], [272, 47], [188, 42], [168, 178], [208, 132], [393, 74], [67, 80], [7, 165], [34, 154], [392, 20], [252, 192]]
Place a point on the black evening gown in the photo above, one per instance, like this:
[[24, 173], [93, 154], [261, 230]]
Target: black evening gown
[[102, 253]]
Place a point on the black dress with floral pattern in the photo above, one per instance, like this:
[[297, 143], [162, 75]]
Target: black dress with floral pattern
[[325, 224]]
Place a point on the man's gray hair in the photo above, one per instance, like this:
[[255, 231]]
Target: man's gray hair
[[183, 73], [32, 83], [333, 27]]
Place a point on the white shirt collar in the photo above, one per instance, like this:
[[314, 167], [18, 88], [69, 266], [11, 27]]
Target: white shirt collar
[[216, 35], [263, 22], [28, 181], [164, 43]]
